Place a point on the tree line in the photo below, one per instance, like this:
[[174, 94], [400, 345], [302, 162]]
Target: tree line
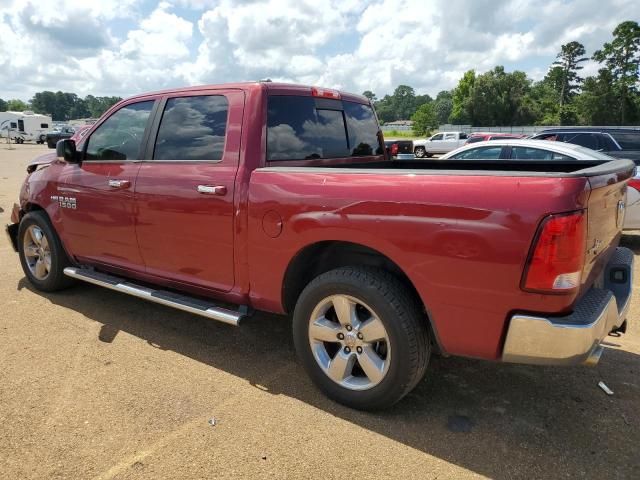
[[62, 106], [562, 97]]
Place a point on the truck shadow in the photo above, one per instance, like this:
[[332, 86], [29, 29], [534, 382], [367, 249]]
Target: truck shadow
[[497, 420]]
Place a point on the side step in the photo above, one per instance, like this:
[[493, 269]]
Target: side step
[[170, 299]]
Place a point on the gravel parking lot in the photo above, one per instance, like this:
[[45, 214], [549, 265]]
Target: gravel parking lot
[[95, 384]]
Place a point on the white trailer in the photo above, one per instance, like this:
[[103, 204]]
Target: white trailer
[[24, 126]]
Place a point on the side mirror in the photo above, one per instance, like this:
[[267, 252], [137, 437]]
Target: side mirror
[[66, 150]]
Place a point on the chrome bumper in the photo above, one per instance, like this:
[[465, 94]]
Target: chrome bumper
[[575, 338]]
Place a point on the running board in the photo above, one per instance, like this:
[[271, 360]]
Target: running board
[[170, 299]]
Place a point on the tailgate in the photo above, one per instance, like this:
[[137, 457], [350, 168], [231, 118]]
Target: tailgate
[[605, 217], [405, 146]]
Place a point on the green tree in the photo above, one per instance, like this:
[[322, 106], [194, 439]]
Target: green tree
[[3, 105], [461, 109], [622, 58], [543, 97], [44, 102], [443, 104], [425, 119], [16, 105], [404, 102], [500, 98], [568, 61], [370, 95], [593, 105], [96, 106]]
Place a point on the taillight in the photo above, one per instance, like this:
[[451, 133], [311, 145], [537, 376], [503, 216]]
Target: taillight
[[557, 259], [634, 183], [394, 149], [325, 93]]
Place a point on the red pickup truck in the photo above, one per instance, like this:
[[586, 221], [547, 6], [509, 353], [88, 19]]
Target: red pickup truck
[[219, 200]]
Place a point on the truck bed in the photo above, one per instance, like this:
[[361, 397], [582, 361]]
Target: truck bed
[[544, 168]]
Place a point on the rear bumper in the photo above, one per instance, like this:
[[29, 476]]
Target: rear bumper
[[576, 338], [405, 156]]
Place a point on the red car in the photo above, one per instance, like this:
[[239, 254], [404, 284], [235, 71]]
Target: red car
[[281, 198], [483, 137]]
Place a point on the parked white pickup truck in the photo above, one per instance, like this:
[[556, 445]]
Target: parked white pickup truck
[[439, 143]]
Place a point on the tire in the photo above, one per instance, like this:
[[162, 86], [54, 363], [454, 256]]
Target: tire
[[420, 152], [50, 145], [401, 358], [43, 262], [42, 139]]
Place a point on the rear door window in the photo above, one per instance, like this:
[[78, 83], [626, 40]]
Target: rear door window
[[300, 128], [627, 141], [587, 140], [481, 153], [192, 129], [119, 137], [527, 153]]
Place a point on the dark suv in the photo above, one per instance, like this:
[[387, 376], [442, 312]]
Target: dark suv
[[617, 142]]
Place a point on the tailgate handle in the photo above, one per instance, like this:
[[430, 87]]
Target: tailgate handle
[[212, 189]]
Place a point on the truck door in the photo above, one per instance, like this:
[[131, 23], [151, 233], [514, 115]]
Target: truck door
[[450, 142], [185, 189], [96, 196]]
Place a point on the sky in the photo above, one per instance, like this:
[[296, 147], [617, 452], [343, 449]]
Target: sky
[[125, 47]]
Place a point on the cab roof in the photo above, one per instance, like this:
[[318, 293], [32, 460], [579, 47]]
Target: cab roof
[[273, 88]]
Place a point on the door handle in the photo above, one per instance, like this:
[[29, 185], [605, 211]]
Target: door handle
[[114, 183], [212, 189]]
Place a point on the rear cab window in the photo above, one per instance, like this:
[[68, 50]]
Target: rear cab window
[[305, 128]]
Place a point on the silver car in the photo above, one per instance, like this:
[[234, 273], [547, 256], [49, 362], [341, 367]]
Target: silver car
[[522, 149]]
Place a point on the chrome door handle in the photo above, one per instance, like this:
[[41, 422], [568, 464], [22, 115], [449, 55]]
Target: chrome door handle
[[212, 189], [113, 183]]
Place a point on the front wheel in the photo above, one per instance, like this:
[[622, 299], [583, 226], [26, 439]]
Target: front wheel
[[41, 254], [361, 337], [420, 152]]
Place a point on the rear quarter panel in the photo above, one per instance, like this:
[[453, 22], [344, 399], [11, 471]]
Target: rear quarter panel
[[461, 239]]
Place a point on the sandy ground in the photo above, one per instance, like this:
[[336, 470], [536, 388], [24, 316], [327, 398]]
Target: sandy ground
[[95, 384]]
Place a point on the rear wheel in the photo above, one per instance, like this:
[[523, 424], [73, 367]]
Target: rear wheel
[[361, 337], [420, 152], [41, 254]]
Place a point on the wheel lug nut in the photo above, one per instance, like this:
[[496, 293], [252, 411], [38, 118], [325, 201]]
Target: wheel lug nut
[[360, 336], [347, 350], [341, 336], [349, 328], [359, 349]]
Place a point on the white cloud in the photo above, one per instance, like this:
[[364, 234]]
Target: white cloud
[[122, 47]]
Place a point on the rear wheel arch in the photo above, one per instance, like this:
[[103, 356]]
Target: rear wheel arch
[[321, 257]]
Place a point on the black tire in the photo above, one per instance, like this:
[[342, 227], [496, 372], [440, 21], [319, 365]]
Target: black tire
[[420, 152], [403, 320], [55, 279], [50, 145], [428, 155]]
